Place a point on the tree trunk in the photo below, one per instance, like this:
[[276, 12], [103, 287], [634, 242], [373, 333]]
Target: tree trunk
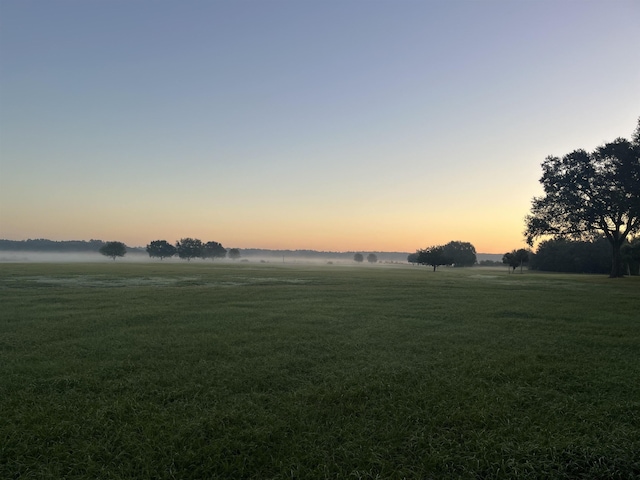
[[617, 269]]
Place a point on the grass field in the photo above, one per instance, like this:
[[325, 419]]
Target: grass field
[[117, 371]]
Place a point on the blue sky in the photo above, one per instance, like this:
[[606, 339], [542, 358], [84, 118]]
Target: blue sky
[[331, 125]]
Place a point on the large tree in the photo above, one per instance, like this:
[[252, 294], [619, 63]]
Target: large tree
[[358, 258], [213, 250], [161, 249], [586, 194], [461, 254], [234, 253], [113, 249], [372, 258], [434, 256], [189, 248]]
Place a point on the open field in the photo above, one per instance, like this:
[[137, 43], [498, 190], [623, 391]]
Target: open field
[[154, 370]]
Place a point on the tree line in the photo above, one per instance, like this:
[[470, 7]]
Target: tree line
[[185, 248], [45, 245], [577, 256]]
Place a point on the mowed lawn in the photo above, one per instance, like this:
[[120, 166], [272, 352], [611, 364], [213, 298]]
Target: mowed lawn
[[204, 371]]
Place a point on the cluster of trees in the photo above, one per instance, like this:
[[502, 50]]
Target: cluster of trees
[[579, 256], [188, 248], [371, 258], [591, 194], [185, 248], [455, 253], [516, 258]]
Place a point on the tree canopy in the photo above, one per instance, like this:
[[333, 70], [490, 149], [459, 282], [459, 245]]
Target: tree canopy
[[189, 248], [434, 256], [161, 249], [461, 254], [586, 194], [516, 258], [113, 249], [358, 257], [234, 253], [372, 258], [213, 250]]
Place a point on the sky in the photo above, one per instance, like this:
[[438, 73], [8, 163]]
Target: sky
[[351, 125]]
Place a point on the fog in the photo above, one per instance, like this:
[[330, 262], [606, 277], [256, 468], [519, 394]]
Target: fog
[[263, 257], [260, 258], [65, 257]]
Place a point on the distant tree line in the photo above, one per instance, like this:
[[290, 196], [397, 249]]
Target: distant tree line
[[93, 246], [44, 245]]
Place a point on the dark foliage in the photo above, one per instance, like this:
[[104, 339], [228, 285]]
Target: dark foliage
[[516, 258], [434, 256], [413, 257], [43, 245], [161, 249], [461, 254], [572, 256], [189, 248], [113, 249], [631, 256], [213, 250]]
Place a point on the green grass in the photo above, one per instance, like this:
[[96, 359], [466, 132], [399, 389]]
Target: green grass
[[118, 371]]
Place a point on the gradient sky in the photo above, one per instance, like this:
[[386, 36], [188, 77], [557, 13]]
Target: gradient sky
[[328, 125]]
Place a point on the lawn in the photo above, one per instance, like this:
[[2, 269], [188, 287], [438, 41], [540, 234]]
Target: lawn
[[266, 371]]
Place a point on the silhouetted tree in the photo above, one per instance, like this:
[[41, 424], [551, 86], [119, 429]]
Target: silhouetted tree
[[412, 258], [358, 257], [516, 258], [234, 253], [590, 193], [213, 250], [461, 254], [189, 248], [433, 256], [372, 258], [113, 249], [161, 249]]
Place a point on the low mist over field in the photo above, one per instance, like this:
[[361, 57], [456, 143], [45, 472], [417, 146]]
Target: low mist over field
[[250, 255]]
